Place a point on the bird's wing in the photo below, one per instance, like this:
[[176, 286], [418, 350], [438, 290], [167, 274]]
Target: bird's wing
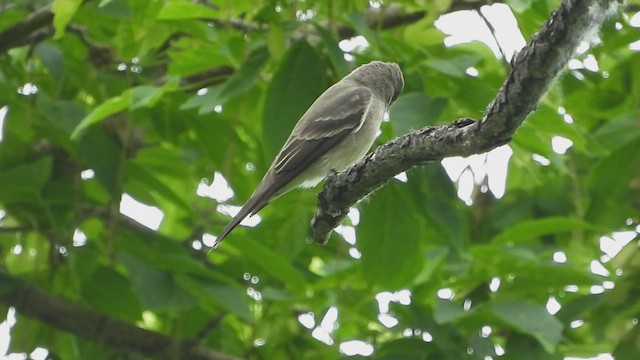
[[336, 114]]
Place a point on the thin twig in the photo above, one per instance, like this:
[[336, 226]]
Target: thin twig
[[495, 38], [14, 229], [208, 328]]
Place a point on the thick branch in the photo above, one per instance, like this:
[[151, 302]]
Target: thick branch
[[534, 68], [54, 311]]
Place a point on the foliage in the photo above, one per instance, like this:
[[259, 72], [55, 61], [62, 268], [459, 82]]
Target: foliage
[[155, 97]]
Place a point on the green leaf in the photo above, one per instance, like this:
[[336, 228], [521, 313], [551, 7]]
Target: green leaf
[[25, 182], [142, 177], [63, 11], [423, 33], [525, 263], [624, 163], [103, 154], [274, 264], [109, 107], [23, 264], [446, 311], [239, 82], [276, 40], [433, 259], [531, 319], [27, 334], [137, 97], [534, 229], [524, 347], [519, 6], [629, 346], [229, 297], [610, 185], [148, 95], [445, 216], [388, 237], [52, 57], [166, 254], [247, 75], [529, 138], [445, 67], [404, 349], [156, 289], [11, 16], [63, 114], [85, 259], [336, 56], [413, 111], [204, 103], [8, 284], [614, 134], [455, 66], [299, 80], [179, 10], [548, 123], [110, 292], [117, 8], [191, 55]]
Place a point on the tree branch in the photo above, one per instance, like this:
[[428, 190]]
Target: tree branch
[[13, 36], [100, 55], [492, 30], [14, 229], [37, 304], [534, 68], [384, 20]]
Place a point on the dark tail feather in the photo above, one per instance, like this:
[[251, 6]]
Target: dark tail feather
[[252, 206]]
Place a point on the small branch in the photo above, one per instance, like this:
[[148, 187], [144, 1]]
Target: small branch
[[239, 24], [632, 8], [459, 5], [534, 68], [14, 229], [100, 55], [208, 328], [37, 304], [383, 20], [391, 16], [495, 38], [13, 36], [208, 77]]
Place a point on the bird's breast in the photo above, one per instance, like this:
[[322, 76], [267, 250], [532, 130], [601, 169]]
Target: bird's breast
[[351, 149]]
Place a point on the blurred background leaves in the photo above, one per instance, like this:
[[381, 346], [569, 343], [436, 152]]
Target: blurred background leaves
[[157, 99]]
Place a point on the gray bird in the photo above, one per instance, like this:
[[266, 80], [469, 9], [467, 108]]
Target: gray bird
[[335, 132]]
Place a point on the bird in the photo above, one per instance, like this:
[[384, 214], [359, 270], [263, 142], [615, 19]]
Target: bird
[[334, 133]]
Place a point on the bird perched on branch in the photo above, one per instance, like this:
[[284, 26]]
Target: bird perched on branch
[[334, 133]]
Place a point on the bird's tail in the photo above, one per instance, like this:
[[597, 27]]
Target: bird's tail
[[255, 203]]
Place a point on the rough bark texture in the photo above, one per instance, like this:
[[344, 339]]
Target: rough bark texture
[[533, 70]]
